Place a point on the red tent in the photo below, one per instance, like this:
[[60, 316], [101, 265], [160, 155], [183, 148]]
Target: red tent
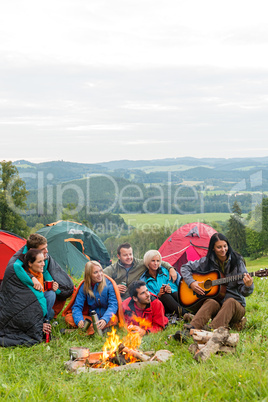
[[188, 243], [9, 244]]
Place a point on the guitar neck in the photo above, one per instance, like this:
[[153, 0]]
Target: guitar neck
[[231, 278]]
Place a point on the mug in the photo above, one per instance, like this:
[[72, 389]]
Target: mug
[[48, 285]]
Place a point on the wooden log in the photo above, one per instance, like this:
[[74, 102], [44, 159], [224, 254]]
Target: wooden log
[[232, 339], [226, 349], [118, 359], [139, 355], [149, 353], [202, 337], [223, 348], [218, 339], [194, 348]]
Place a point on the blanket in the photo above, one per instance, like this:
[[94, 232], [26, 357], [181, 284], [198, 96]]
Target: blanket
[[22, 308]]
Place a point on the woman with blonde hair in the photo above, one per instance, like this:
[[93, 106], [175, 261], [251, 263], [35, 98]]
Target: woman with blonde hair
[[96, 292], [157, 280]]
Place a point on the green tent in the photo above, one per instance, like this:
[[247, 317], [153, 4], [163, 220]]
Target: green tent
[[72, 244]]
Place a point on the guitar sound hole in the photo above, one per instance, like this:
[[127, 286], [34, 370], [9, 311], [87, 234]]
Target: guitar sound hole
[[208, 284]]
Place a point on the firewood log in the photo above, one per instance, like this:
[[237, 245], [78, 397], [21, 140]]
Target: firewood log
[[218, 339], [194, 348], [227, 349], [139, 355], [223, 348], [232, 339], [200, 336]]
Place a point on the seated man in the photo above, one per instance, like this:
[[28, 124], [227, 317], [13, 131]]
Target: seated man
[[143, 311], [128, 269], [23, 306]]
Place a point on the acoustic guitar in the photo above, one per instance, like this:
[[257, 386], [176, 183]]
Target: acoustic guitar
[[214, 285]]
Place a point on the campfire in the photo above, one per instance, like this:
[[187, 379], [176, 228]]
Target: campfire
[[116, 353]]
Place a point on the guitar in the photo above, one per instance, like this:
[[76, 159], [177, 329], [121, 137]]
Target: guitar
[[214, 285]]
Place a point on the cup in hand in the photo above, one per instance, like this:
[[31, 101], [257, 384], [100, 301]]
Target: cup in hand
[[48, 285]]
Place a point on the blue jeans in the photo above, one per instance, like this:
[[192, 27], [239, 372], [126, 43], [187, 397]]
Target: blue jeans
[[50, 296]]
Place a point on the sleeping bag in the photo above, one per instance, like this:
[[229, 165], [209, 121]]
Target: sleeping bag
[[22, 308]]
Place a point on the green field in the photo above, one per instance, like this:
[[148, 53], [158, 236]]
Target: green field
[[253, 265], [171, 220]]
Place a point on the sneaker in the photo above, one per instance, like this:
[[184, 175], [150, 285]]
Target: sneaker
[[187, 327], [238, 326]]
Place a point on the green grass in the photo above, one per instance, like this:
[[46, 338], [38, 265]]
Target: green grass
[[171, 220], [254, 265], [39, 374]]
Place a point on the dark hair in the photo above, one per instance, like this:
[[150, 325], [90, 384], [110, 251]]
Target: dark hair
[[123, 245], [35, 240], [234, 255], [134, 286], [30, 256]]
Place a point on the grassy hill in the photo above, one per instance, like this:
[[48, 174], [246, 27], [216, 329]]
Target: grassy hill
[[38, 373]]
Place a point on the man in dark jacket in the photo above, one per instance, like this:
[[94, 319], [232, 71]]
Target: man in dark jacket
[[143, 311], [21, 299], [128, 269]]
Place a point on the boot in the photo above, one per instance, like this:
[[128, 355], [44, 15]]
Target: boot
[[238, 326]]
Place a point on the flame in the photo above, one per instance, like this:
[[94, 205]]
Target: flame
[[114, 320], [131, 341], [111, 344], [142, 322]]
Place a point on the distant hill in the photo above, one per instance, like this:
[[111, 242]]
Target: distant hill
[[219, 173], [54, 172], [216, 163]]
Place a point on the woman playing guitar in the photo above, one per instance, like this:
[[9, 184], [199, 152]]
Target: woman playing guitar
[[231, 309]]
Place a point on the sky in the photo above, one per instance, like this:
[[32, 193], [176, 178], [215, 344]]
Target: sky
[[96, 81]]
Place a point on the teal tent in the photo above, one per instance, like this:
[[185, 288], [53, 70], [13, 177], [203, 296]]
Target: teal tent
[[72, 244]]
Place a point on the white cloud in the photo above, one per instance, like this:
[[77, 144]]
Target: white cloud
[[150, 106], [146, 142], [101, 127]]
